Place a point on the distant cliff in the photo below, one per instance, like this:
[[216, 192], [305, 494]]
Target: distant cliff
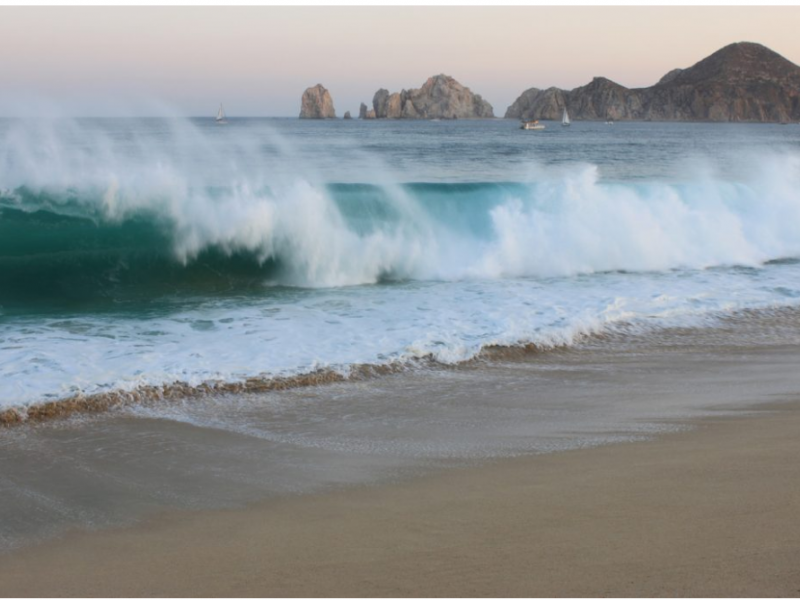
[[740, 82], [317, 104], [440, 97]]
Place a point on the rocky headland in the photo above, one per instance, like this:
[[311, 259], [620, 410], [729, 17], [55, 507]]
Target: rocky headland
[[440, 97], [740, 82], [317, 104]]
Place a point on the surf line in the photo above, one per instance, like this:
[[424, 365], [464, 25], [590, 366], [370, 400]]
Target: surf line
[[180, 390]]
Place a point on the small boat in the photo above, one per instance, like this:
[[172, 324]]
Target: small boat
[[531, 125], [565, 122], [221, 120]]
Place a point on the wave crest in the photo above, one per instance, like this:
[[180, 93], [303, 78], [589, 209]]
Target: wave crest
[[104, 219]]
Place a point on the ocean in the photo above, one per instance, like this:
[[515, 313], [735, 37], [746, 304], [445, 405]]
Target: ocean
[[465, 285], [146, 252]]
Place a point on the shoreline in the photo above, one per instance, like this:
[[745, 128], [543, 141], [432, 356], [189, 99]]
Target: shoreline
[[155, 393], [118, 397], [711, 512]]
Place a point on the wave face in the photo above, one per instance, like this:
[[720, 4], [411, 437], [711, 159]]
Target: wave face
[[120, 242], [239, 240]]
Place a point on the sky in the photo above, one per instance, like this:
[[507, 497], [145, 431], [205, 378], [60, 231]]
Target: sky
[[131, 61]]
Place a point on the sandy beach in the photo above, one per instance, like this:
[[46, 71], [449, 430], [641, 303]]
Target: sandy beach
[[708, 512]]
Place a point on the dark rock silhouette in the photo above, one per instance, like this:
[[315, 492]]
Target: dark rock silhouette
[[740, 82]]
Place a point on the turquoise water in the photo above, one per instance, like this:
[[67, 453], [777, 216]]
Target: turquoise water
[[149, 251]]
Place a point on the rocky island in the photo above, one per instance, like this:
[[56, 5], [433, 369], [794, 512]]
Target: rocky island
[[740, 82], [440, 97], [317, 104], [365, 113]]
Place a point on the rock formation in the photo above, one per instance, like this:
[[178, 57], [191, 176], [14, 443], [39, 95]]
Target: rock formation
[[317, 104], [362, 111], [440, 97], [740, 82], [669, 76], [347, 115]]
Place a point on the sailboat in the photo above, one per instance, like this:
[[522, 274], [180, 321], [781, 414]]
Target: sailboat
[[565, 122], [221, 120]]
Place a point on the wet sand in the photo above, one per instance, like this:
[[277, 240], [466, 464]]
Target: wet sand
[[714, 511]]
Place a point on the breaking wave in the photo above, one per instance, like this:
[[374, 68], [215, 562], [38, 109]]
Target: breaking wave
[[155, 234]]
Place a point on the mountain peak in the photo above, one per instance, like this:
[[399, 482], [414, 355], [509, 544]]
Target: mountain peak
[[740, 82], [737, 63]]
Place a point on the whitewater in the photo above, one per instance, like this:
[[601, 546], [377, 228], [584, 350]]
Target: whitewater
[[147, 252]]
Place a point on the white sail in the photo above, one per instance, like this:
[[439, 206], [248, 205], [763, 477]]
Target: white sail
[[220, 114], [565, 117]]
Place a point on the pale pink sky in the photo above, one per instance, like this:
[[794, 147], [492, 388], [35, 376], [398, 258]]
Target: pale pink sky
[[258, 60]]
